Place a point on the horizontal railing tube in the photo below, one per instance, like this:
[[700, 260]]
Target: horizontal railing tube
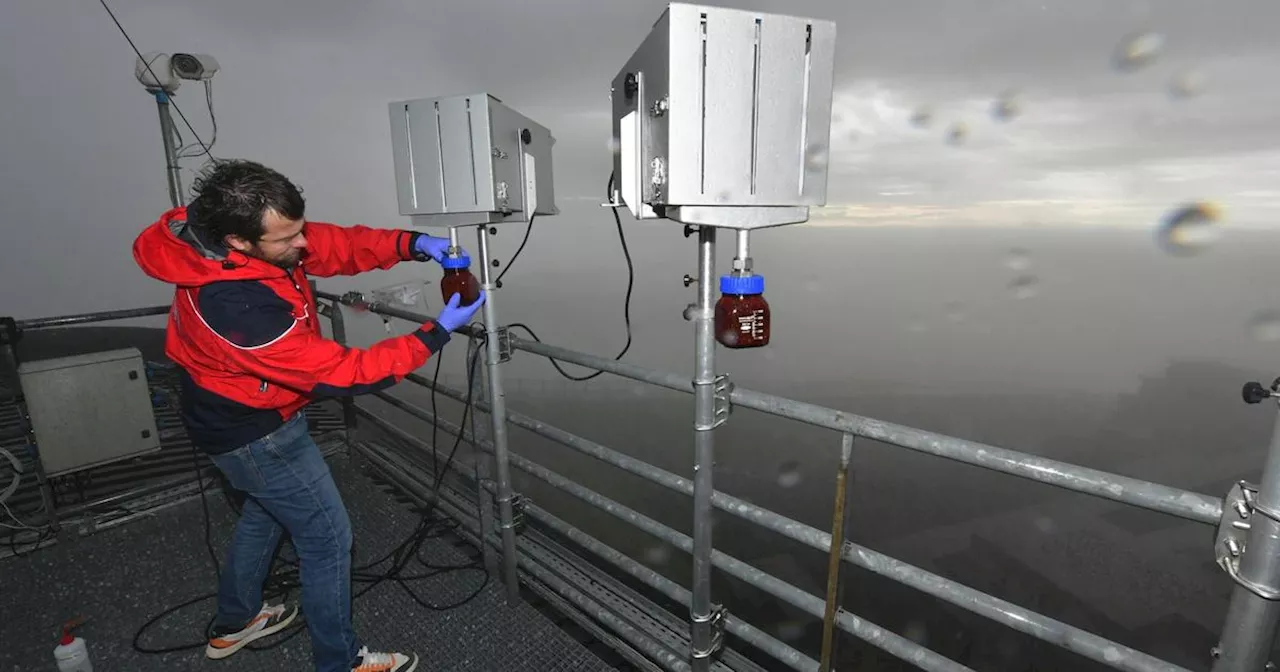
[[89, 318], [671, 589], [861, 628], [1174, 501], [999, 611]]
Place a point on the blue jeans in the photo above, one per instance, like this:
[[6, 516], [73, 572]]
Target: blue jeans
[[289, 488]]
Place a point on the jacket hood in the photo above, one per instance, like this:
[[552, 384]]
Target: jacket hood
[[173, 251]]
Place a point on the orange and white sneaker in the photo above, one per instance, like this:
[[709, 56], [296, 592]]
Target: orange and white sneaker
[[270, 620], [384, 662]]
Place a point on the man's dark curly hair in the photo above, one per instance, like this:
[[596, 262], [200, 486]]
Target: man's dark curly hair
[[233, 196]]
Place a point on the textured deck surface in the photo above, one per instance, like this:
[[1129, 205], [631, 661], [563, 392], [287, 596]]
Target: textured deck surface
[[121, 578]]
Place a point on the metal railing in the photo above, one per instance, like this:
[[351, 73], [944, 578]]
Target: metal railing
[[1248, 519]]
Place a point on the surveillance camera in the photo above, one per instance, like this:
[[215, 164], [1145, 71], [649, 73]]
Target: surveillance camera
[[194, 66], [155, 72]]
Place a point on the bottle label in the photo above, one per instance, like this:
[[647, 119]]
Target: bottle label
[[752, 324]]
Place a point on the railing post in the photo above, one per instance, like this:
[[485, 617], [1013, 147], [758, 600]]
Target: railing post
[[835, 564], [9, 337], [498, 414], [705, 420], [1250, 626], [481, 460]]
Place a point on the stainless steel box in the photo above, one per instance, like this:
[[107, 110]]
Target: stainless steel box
[[470, 160], [725, 107], [91, 409]]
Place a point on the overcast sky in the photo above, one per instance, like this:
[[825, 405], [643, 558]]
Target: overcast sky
[[304, 86]]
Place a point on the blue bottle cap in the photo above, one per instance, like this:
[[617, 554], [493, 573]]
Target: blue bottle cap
[[741, 284], [461, 261]]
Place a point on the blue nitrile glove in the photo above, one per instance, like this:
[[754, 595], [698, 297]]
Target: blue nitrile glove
[[452, 317], [432, 246]]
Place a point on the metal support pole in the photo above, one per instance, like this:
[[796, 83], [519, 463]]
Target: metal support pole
[[835, 565], [1250, 626], [704, 424], [498, 415], [481, 461], [172, 170], [9, 336]]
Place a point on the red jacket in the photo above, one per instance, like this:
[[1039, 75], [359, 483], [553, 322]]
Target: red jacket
[[246, 333]]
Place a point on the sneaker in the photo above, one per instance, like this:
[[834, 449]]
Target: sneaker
[[384, 662], [270, 620]]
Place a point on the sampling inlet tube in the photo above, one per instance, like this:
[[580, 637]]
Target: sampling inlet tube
[[498, 415], [744, 251], [454, 247], [704, 423]]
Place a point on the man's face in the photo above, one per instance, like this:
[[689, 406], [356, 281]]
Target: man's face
[[282, 242]]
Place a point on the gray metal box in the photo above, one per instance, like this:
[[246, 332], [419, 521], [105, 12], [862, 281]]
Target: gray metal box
[[725, 107], [88, 410], [470, 160]]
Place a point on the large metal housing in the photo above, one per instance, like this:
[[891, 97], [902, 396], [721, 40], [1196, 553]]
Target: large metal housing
[[728, 108], [89, 410], [469, 160]]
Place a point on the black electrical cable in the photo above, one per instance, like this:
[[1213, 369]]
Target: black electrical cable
[[626, 309], [498, 283], [282, 582]]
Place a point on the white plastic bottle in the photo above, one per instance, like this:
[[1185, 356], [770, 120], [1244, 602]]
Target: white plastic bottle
[[71, 654]]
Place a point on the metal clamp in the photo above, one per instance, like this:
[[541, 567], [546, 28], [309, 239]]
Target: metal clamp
[[1238, 507], [716, 619], [504, 344], [518, 517], [723, 403]]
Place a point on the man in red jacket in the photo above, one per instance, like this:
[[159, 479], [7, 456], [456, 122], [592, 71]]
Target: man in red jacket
[[245, 334]]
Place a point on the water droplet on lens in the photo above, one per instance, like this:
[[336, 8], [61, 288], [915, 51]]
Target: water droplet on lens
[[816, 157], [1266, 326], [1019, 259], [1024, 286], [789, 474], [790, 631], [1190, 229], [922, 117], [1187, 84], [657, 555], [1008, 106], [1137, 51], [917, 632], [958, 133]]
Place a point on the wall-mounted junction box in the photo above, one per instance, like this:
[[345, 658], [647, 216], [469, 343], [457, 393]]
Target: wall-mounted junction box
[[470, 160], [723, 117], [89, 410]]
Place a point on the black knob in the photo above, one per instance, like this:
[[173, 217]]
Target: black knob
[[525, 136], [1254, 392], [688, 279], [630, 85], [493, 230]]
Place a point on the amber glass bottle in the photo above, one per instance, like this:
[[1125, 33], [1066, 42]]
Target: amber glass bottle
[[742, 314]]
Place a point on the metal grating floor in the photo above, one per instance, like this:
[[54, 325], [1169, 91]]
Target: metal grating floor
[[121, 578]]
